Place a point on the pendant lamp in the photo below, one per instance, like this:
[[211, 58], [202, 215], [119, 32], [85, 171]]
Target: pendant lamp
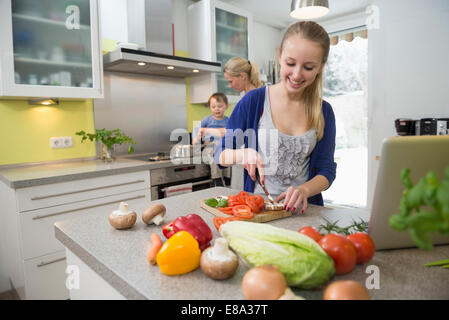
[[309, 9]]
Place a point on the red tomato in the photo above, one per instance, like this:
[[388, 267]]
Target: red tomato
[[226, 210], [260, 201], [243, 211], [364, 246], [311, 232], [242, 197], [251, 202], [233, 201], [341, 250], [218, 221]]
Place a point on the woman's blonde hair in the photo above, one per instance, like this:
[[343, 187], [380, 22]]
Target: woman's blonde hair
[[236, 65], [312, 94]]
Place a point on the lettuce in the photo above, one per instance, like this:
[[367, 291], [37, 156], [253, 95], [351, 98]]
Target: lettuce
[[301, 260]]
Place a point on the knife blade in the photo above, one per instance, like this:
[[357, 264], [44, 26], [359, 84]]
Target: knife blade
[[263, 187]]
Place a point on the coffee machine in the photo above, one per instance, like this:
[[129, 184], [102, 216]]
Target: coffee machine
[[422, 127]]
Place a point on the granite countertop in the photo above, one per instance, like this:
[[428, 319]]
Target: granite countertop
[[119, 257], [29, 175]]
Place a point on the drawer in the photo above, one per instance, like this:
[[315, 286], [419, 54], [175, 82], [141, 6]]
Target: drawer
[[50, 195], [37, 232], [45, 277]]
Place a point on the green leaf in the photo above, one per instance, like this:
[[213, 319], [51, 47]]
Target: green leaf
[[222, 203], [437, 263], [212, 202]]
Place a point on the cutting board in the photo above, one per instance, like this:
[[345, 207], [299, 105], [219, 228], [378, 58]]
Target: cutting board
[[263, 216]]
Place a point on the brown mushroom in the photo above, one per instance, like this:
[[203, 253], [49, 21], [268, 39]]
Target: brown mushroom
[[218, 262], [154, 214], [123, 218]]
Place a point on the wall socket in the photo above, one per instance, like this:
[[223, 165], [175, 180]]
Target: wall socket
[[61, 142]]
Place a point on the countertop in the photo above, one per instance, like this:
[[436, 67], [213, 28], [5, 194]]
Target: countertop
[[22, 176], [119, 257]]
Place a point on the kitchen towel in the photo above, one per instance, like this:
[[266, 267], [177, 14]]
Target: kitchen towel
[[178, 189]]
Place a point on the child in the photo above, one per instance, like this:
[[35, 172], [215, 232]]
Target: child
[[215, 124], [211, 130]]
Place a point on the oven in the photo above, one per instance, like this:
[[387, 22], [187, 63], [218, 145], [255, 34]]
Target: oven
[[196, 174]]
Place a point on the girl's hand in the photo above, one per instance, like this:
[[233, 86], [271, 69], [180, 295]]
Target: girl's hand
[[293, 197], [251, 160]]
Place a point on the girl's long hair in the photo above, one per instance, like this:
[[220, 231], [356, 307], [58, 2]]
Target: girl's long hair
[[313, 94]]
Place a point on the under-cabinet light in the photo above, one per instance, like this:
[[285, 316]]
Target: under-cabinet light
[[170, 67], [43, 101], [141, 64], [195, 70]]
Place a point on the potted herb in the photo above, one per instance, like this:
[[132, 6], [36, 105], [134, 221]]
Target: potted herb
[[109, 139]]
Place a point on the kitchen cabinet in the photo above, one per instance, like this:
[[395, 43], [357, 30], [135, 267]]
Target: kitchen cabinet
[[36, 260], [217, 31], [50, 49]]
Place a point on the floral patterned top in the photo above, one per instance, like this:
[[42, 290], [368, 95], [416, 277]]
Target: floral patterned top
[[286, 157]]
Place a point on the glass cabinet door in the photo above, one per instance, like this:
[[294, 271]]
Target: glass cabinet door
[[231, 41], [52, 43]]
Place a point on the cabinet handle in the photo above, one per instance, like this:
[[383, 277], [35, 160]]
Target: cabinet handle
[[46, 263], [85, 208], [86, 190], [194, 183]]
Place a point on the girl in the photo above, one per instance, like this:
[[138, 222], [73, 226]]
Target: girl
[[301, 159]]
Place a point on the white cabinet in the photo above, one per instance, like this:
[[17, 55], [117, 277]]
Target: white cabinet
[[35, 258], [50, 49], [217, 32]]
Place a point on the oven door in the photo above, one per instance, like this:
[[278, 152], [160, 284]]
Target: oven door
[[158, 192]]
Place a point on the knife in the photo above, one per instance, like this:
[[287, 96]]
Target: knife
[[263, 187]]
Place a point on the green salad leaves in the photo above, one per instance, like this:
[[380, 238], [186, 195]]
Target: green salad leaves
[[299, 258]]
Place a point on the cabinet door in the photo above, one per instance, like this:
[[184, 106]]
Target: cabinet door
[[54, 50], [231, 41]]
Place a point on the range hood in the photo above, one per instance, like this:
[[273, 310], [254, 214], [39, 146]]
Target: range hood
[[145, 62], [150, 26]]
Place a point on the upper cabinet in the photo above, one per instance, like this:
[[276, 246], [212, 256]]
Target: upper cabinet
[[218, 32], [50, 48]]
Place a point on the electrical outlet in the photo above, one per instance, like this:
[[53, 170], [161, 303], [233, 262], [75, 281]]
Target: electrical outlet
[[61, 142]]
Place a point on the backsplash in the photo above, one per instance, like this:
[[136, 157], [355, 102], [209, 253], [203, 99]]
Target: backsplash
[[26, 130]]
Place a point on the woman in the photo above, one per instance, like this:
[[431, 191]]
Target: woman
[[242, 75], [301, 162]]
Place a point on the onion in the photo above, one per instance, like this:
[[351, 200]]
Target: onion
[[264, 283]]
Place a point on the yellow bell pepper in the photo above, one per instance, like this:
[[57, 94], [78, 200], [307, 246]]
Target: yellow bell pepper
[[179, 254]]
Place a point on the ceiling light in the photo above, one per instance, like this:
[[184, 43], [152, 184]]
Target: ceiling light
[[43, 101], [196, 70], [309, 9], [170, 67], [141, 64]]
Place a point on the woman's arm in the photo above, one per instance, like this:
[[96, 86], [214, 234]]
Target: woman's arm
[[248, 157]]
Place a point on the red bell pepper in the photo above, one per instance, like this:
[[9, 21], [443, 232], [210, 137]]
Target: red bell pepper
[[193, 224]]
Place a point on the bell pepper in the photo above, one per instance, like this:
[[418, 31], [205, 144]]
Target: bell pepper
[[193, 224], [180, 254]]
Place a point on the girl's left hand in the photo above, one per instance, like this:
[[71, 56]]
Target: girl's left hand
[[293, 197]]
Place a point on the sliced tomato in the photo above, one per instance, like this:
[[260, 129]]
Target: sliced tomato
[[233, 201], [260, 201], [218, 221], [226, 210], [251, 202], [242, 197], [242, 211]]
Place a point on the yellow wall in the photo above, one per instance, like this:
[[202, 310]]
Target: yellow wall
[[25, 130]]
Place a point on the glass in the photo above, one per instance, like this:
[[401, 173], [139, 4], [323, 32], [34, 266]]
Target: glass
[[232, 41], [345, 88], [52, 42]]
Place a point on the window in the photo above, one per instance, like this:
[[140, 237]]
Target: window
[[345, 88]]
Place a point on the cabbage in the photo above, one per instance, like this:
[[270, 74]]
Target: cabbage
[[300, 259]]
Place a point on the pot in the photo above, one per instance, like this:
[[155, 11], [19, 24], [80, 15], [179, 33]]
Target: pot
[[181, 151]]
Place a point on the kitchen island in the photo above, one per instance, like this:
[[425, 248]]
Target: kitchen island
[[104, 263]]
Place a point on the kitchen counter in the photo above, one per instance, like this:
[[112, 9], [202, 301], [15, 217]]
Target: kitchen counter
[[46, 173], [119, 257]]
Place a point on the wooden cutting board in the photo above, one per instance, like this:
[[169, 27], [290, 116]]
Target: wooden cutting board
[[263, 216]]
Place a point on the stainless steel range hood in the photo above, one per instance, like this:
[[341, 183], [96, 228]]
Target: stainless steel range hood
[[150, 26]]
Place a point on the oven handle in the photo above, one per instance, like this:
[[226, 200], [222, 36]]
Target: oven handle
[[194, 183]]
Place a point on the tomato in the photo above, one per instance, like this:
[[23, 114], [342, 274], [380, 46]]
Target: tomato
[[242, 197], [218, 221], [311, 232], [233, 201], [260, 201], [252, 202], [341, 250], [226, 210], [243, 211], [364, 246]]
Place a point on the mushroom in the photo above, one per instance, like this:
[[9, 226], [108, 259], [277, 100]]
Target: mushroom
[[218, 262], [266, 283], [154, 214], [123, 218]]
